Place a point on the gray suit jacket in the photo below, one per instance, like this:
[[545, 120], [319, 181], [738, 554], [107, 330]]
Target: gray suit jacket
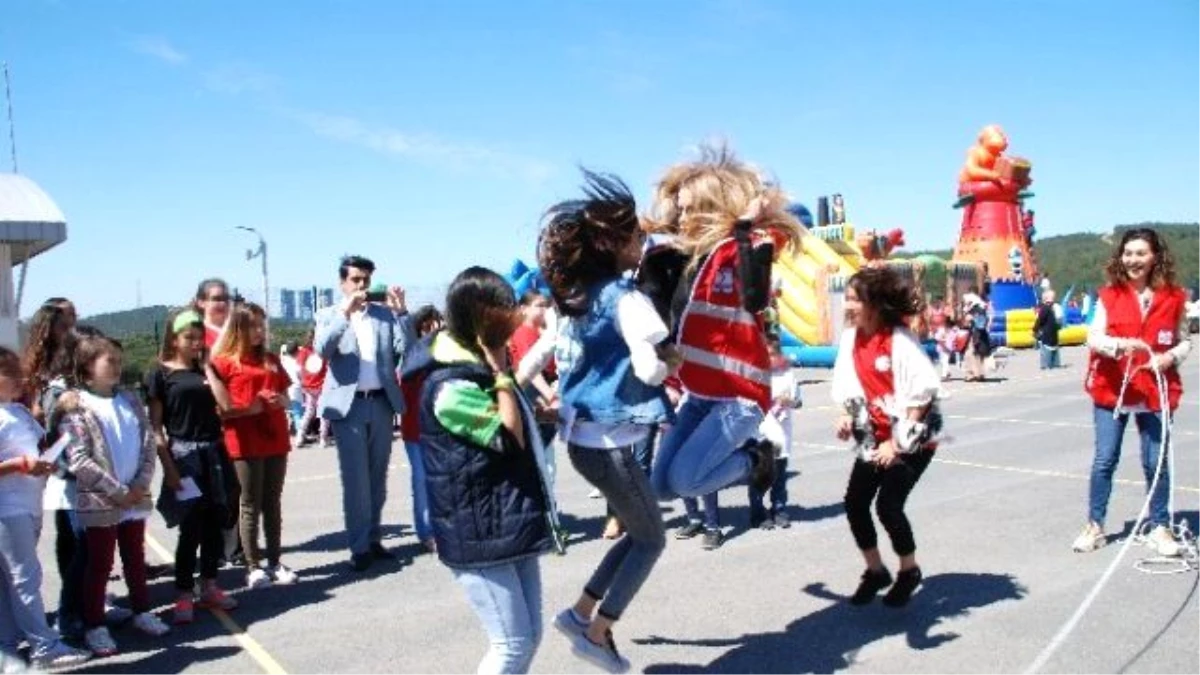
[[336, 343]]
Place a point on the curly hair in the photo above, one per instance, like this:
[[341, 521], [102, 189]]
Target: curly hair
[[48, 349], [887, 293], [582, 240], [1161, 274], [699, 202]]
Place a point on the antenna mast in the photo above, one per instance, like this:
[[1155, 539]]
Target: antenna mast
[[12, 136]]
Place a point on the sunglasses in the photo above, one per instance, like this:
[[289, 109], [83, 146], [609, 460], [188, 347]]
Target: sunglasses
[[218, 298]]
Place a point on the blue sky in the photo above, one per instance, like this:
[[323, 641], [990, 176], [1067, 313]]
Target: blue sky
[[431, 136]]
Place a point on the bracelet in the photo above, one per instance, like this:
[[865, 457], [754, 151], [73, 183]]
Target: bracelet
[[504, 382]]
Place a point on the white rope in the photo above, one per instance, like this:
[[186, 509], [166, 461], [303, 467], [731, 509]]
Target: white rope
[[1154, 565]]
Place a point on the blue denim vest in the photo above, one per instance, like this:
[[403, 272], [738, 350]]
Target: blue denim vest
[[595, 372]]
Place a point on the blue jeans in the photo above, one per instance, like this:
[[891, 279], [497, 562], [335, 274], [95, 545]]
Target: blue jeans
[[507, 598], [712, 511], [1109, 434], [21, 613], [701, 452], [1048, 357], [628, 563], [419, 491], [364, 448]]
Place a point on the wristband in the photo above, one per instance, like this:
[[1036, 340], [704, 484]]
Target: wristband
[[504, 382]]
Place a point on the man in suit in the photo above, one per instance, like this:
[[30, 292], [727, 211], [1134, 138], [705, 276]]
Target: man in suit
[[363, 343]]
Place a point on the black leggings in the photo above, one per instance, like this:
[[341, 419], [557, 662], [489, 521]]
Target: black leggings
[[893, 486]]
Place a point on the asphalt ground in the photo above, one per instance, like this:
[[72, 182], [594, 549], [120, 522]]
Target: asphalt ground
[[994, 519]]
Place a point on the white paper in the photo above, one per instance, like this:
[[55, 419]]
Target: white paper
[[55, 451], [188, 489]]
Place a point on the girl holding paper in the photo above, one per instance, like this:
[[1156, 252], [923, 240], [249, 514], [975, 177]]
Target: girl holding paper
[[187, 431]]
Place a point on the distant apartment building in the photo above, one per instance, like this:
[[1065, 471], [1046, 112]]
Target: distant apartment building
[[301, 304]]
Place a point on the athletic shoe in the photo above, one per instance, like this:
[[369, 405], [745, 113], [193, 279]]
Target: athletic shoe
[[281, 574], [782, 520], [712, 540], [258, 579], [150, 624], [871, 583], [613, 528], [184, 610], [689, 531], [595, 494], [763, 523], [99, 641], [1090, 539], [906, 582], [570, 624], [605, 656], [59, 655], [381, 553], [214, 597], [1163, 542]]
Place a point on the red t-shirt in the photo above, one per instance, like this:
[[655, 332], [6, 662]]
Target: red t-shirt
[[255, 436], [873, 365], [521, 341], [210, 335], [309, 381]]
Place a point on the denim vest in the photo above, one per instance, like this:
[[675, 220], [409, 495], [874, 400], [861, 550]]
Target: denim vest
[[596, 377]]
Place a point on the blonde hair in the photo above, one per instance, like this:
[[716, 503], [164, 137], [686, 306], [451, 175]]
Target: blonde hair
[[699, 202], [237, 343]]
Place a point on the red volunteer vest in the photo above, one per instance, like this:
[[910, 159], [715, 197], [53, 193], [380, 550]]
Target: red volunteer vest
[[1158, 329], [724, 347], [873, 365]]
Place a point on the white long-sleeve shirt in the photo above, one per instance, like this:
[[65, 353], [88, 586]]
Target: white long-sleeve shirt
[[914, 376]]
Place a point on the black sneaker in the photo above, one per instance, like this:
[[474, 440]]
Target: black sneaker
[[782, 520], [762, 471], [689, 531], [361, 562], [872, 582], [900, 592], [713, 540], [380, 553]]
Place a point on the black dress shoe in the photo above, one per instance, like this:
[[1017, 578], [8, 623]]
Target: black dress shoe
[[381, 553], [361, 561]]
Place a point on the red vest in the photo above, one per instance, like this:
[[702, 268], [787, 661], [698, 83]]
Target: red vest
[[724, 347], [1158, 329]]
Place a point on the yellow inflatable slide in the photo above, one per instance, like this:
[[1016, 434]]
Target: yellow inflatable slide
[[800, 311]]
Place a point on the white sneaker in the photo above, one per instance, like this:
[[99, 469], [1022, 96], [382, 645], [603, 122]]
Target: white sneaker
[[1090, 539], [99, 641], [12, 664], [60, 655], [150, 624], [568, 623], [258, 578], [595, 494], [603, 656], [114, 613], [1163, 542], [282, 575]]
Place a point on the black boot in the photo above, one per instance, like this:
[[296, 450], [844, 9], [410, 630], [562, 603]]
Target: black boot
[[762, 469], [906, 582], [872, 582]]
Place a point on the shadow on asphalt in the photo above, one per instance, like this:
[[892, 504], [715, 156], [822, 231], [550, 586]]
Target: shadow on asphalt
[[828, 640]]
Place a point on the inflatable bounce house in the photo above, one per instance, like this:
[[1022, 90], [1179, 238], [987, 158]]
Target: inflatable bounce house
[[997, 234]]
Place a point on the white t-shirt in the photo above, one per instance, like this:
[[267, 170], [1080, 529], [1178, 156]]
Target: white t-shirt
[[20, 494], [642, 329], [364, 333], [123, 434], [294, 392]]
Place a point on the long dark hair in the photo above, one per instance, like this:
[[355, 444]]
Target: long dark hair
[[1163, 272], [892, 297], [167, 351], [583, 238], [48, 348], [480, 308]]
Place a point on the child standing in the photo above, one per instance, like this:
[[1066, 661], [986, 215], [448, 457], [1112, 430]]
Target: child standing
[[187, 429], [776, 429], [611, 373], [22, 480], [111, 453], [250, 387], [312, 379]]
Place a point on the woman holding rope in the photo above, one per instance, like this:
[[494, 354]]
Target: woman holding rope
[[1138, 338]]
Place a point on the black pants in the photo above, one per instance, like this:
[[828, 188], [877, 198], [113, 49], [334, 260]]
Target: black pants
[[892, 485], [202, 528]]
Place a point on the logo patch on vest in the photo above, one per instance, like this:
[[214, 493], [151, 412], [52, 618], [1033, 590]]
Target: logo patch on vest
[[1166, 338], [723, 283], [883, 363]]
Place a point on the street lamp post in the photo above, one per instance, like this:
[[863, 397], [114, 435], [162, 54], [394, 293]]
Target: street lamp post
[[261, 252]]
